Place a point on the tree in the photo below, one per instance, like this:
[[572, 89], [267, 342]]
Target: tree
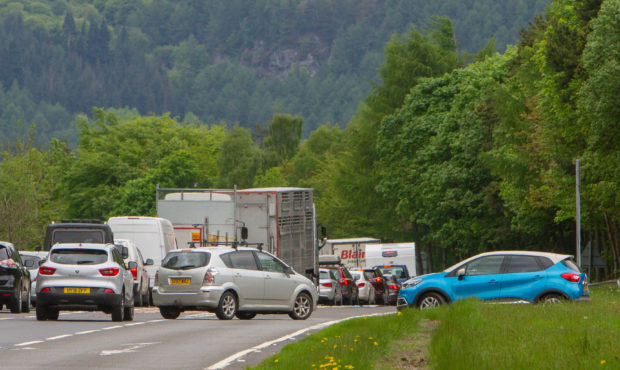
[[283, 136], [239, 159]]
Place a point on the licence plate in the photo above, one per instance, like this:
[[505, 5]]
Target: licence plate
[[77, 290], [180, 281]]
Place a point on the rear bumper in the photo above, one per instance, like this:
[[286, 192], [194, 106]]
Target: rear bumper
[[207, 297], [96, 299]]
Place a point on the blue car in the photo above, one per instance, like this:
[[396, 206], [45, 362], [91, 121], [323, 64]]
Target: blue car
[[504, 276]]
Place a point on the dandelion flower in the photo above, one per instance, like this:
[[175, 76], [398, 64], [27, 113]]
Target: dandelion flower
[[276, 360], [375, 343], [602, 362]]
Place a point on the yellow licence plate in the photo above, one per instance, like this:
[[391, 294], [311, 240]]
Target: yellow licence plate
[[77, 290], [179, 281]]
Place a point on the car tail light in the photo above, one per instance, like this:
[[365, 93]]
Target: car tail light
[[379, 280], [344, 282], [361, 285], [108, 290], [44, 270], [328, 284], [571, 277], [395, 287], [45, 290], [134, 272], [110, 271], [209, 276]]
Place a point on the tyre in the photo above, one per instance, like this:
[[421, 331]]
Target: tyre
[[245, 315], [430, 300], [227, 308], [552, 298], [16, 302], [128, 313], [169, 313], [41, 313], [52, 313], [137, 299], [302, 307], [145, 299], [118, 311], [26, 303]]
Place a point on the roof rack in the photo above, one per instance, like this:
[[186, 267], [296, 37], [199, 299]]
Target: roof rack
[[233, 244]]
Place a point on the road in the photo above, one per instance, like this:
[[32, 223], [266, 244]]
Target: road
[[196, 340]]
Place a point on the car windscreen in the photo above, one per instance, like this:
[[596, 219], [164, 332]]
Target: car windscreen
[[78, 236], [186, 260], [79, 256], [397, 271], [356, 275]]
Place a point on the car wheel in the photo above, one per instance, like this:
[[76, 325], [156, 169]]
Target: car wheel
[[245, 315], [52, 313], [430, 300], [128, 313], [227, 308], [145, 299], [41, 313], [302, 307], [118, 311], [16, 302], [26, 305], [552, 298], [137, 299], [169, 313]]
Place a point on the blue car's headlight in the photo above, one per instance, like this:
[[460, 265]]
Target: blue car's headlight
[[412, 282]]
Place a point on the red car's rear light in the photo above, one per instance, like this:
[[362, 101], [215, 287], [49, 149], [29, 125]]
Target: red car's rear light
[[108, 290], [110, 271], [134, 272], [45, 290], [44, 270], [571, 277], [395, 287], [361, 285], [329, 285]]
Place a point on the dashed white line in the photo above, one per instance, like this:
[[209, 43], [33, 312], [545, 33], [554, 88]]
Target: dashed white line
[[59, 337], [112, 327], [86, 332], [135, 323], [28, 343]]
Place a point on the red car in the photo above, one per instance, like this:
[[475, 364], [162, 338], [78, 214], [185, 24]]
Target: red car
[[350, 292]]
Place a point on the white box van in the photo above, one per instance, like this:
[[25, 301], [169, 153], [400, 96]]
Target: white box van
[[153, 235], [392, 254]]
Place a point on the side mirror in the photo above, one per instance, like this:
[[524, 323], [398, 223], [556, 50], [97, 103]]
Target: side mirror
[[244, 233], [149, 262], [132, 265], [323, 231], [460, 273], [289, 270], [125, 252]]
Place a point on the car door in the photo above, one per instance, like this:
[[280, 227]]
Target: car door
[[523, 278], [249, 280], [279, 285], [481, 280]]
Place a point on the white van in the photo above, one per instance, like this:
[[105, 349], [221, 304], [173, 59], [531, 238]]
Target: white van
[[154, 236], [392, 254]]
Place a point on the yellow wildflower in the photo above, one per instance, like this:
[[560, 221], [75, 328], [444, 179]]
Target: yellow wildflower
[[376, 344], [602, 362]]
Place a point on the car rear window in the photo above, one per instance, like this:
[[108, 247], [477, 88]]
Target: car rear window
[[369, 275], [397, 271], [356, 275], [4, 254], [324, 275], [78, 236], [31, 262], [79, 256], [186, 260], [570, 264]]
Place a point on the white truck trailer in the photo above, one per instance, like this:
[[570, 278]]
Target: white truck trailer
[[281, 220], [352, 251]]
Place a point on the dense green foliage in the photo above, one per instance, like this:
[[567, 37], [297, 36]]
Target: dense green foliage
[[457, 157], [233, 61]]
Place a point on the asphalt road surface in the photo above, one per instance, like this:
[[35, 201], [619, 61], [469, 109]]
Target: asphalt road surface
[[196, 340]]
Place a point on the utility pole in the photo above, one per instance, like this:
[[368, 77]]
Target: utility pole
[[578, 213]]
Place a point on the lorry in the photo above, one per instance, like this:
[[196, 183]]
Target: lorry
[[278, 220], [77, 231], [367, 252]]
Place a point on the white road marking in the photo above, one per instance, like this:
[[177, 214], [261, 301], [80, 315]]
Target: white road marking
[[133, 348], [228, 360], [87, 332], [112, 327], [160, 320], [136, 323], [59, 337], [28, 343]]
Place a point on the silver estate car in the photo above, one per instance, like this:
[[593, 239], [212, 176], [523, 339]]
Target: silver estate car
[[330, 291], [85, 276], [231, 282]]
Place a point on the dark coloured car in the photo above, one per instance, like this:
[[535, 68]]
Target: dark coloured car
[[377, 280], [393, 288], [14, 280], [399, 271]]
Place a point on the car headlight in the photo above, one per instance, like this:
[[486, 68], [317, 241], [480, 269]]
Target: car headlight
[[412, 282]]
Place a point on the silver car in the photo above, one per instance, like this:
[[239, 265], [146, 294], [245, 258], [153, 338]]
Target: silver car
[[32, 261], [137, 267], [231, 282], [84, 276], [330, 291], [366, 289]]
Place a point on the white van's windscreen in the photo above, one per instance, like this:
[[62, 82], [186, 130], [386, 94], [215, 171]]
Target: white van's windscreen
[[78, 236]]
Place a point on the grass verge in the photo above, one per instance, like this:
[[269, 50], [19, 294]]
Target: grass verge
[[469, 334]]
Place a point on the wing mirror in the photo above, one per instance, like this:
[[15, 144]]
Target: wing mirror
[[460, 273], [149, 262], [132, 265]]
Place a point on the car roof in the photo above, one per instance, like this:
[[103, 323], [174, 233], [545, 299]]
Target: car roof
[[82, 245], [554, 257], [215, 250]]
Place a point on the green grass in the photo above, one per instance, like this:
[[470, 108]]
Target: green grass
[[471, 334]]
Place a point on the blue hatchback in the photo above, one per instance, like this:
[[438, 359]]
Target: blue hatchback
[[503, 275]]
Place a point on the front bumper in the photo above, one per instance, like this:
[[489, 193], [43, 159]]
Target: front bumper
[[401, 303], [207, 297], [97, 298]]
